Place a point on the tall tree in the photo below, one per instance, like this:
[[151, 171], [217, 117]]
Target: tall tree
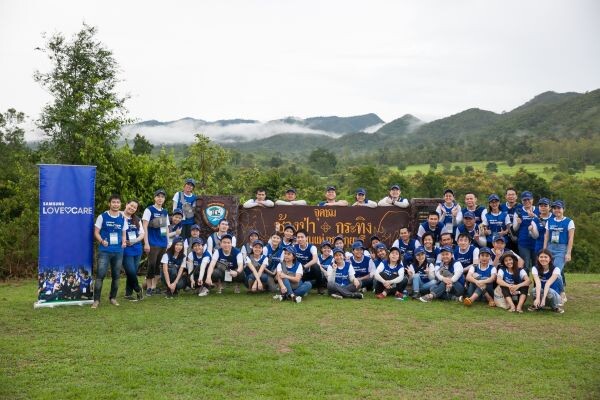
[[141, 145], [84, 119]]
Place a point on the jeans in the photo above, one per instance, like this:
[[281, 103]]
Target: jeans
[[131, 265], [249, 281], [473, 288], [345, 291], [553, 298], [439, 290], [558, 258], [419, 287], [302, 289], [528, 255], [104, 259]]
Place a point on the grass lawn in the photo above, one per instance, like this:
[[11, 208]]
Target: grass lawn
[[243, 346], [503, 168]]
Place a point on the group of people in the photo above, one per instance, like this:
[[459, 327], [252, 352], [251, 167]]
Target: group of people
[[464, 253]]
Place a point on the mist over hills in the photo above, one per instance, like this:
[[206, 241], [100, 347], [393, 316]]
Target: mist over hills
[[546, 116]]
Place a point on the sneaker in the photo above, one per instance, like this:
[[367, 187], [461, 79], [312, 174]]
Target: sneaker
[[363, 290], [358, 296], [236, 290], [168, 295], [203, 292], [148, 292], [558, 310], [338, 296], [156, 290], [114, 302], [140, 295], [298, 299], [220, 290], [130, 297], [95, 304], [278, 297], [533, 308], [381, 295], [426, 299], [563, 297]]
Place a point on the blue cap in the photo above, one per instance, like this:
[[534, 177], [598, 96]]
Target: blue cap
[[196, 241], [227, 236], [177, 239], [394, 248], [395, 186], [253, 232], [357, 245], [291, 190], [195, 226], [380, 246], [290, 249], [178, 211], [326, 243], [446, 248], [374, 237], [497, 237], [544, 200], [526, 195], [190, 181], [493, 197], [338, 237], [330, 188], [258, 242], [449, 191], [485, 250], [336, 250], [469, 214], [160, 191], [289, 226], [361, 191], [558, 203], [419, 250]]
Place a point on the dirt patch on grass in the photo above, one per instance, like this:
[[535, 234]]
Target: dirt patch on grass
[[283, 345]]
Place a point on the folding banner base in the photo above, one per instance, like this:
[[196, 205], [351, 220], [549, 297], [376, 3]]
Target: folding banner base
[[52, 304]]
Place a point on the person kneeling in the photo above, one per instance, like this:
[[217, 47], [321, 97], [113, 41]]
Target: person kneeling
[[341, 281], [481, 279], [289, 278], [389, 276]]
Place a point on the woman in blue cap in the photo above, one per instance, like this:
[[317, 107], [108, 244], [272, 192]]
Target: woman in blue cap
[[513, 282], [256, 264], [361, 199], [424, 277], [326, 256], [172, 267], [449, 274], [495, 222], [481, 278], [539, 225], [560, 234], [389, 276], [289, 278], [247, 247], [524, 227], [274, 251]]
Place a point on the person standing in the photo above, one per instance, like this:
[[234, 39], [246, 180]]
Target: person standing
[[330, 198], [290, 199], [510, 207], [450, 212], [260, 201], [560, 234], [155, 222], [471, 205], [524, 227], [133, 252], [110, 231], [361, 199], [186, 202]]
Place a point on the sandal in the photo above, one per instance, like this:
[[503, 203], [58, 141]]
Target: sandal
[[511, 310], [491, 303], [520, 311], [467, 301]]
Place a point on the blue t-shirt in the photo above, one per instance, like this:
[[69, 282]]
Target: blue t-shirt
[[274, 256], [157, 237], [408, 249], [229, 260], [188, 199], [133, 232], [248, 271], [304, 255], [391, 269], [342, 276], [558, 230], [466, 258], [361, 268], [524, 239]]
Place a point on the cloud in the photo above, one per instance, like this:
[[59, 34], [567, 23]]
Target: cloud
[[183, 131]]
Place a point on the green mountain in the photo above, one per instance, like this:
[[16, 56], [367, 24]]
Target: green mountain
[[356, 123], [401, 126]]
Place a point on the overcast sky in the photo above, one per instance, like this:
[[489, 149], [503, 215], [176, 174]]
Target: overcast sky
[[270, 59]]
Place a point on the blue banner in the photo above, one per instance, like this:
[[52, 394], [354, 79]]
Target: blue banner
[[66, 232]]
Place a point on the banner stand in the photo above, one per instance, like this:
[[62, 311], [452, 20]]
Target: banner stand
[[52, 304]]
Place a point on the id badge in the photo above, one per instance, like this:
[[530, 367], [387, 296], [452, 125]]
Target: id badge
[[163, 231], [113, 239], [228, 277], [555, 237], [131, 236], [84, 290]]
